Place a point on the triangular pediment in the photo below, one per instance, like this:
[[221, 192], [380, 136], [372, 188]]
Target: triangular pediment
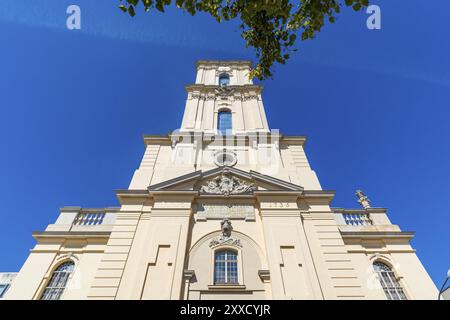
[[225, 181]]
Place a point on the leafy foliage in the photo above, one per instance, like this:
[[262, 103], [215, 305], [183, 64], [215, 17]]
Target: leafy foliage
[[269, 26]]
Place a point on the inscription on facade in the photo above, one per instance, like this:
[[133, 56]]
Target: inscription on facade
[[207, 211]]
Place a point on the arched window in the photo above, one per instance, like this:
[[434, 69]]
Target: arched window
[[224, 122], [225, 267], [58, 282], [224, 80], [389, 283]]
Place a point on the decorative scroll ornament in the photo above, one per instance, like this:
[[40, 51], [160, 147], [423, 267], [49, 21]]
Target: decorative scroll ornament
[[231, 241], [225, 237], [226, 71], [226, 185], [251, 97], [224, 91]]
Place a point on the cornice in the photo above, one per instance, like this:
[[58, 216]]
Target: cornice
[[246, 137], [125, 194], [262, 193], [293, 140], [151, 139], [213, 92], [178, 180], [326, 195], [206, 87], [73, 251], [188, 193], [275, 181], [132, 192], [70, 208], [358, 210], [252, 175], [386, 251], [70, 234], [88, 210], [377, 234], [224, 63], [154, 139], [317, 215]]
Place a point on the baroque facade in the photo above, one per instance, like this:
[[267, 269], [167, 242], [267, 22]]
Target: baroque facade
[[223, 208]]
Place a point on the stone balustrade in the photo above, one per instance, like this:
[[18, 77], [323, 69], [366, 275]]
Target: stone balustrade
[[369, 220], [89, 218], [361, 217], [357, 219], [84, 219]]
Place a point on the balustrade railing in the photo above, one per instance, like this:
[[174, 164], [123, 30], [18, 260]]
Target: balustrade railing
[[89, 218], [357, 219]]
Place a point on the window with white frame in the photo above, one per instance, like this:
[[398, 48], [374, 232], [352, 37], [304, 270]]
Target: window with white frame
[[389, 282], [224, 80], [225, 267], [58, 282], [224, 123]]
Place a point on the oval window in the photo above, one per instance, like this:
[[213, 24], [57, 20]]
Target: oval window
[[225, 158]]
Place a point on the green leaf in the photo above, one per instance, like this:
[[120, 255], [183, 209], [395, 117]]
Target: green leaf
[[292, 38], [159, 6], [268, 26], [357, 6], [131, 11]]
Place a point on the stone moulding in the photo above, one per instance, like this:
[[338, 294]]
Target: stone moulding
[[221, 63], [268, 136], [264, 275], [226, 185], [225, 240]]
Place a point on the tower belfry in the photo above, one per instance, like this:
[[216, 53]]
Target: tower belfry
[[223, 208], [224, 87]]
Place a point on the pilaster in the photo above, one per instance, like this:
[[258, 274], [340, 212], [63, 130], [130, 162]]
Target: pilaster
[[335, 269], [110, 269], [293, 275], [154, 269]]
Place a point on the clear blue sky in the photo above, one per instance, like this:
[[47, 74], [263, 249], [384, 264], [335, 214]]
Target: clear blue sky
[[375, 106]]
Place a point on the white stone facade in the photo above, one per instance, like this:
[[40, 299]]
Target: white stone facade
[[6, 279], [251, 193]]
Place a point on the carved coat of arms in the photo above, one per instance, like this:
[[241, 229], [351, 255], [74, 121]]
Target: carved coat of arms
[[226, 185]]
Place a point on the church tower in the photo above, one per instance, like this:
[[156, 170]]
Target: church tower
[[224, 207], [224, 88]]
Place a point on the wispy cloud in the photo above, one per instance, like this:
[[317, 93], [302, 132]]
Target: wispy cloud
[[102, 18], [383, 70]]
